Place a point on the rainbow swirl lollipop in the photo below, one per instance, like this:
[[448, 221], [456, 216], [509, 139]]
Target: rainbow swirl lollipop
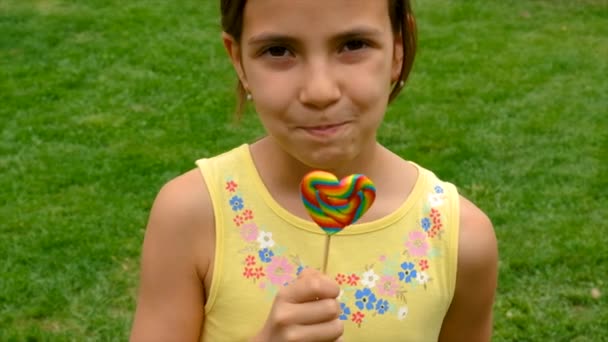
[[335, 204]]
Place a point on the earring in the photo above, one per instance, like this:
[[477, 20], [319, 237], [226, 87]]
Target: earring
[[249, 97], [401, 83]]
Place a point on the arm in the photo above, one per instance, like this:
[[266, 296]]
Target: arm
[[469, 317], [176, 250]]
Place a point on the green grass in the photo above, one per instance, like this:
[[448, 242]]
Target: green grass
[[101, 102]]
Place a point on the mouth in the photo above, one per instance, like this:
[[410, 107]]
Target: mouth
[[324, 130]]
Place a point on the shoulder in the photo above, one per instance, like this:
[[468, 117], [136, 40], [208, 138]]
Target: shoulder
[[477, 242], [176, 254], [469, 317], [183, 199], [182, 214]]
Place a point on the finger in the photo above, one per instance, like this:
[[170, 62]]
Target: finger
[[311, 286], [308, 272], [327, 331], [314, 312]]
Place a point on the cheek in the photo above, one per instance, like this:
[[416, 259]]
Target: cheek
[[371, 88], [271, 92]]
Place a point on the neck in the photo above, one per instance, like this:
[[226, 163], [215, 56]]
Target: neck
[[280, 171]]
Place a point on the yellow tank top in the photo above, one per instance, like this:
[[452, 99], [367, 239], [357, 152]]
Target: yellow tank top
[[397, 274]]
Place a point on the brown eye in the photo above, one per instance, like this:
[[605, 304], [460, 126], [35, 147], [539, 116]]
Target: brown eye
[[354, 45], [277, 51]]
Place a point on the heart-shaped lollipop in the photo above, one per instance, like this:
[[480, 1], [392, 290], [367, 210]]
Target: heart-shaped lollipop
[[334, 204]]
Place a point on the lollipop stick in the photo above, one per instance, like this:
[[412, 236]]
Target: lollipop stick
[[326, 254]]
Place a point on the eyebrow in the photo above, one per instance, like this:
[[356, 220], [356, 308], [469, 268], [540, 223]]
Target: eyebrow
[[359, 31]]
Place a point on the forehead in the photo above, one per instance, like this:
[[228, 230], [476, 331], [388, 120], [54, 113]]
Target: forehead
[[314, 16]]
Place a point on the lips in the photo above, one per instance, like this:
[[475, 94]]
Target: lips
[[323, 127], [324, 130]]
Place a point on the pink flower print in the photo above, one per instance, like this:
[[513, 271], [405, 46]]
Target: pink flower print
[[357, 317], [249, 232], [250, 260], [280, 271], [340, 278], [231, 186], [352, 280], [247, 215], [417, 245], [423, 264], [238, 220], [258, 272], [248, 272], [387, 286], [382, 258]]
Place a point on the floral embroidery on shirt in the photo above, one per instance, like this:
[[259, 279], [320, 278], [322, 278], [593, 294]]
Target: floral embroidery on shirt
[[376, 290], [231, 186]]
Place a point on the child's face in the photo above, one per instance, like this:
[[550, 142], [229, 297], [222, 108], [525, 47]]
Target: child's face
[[320, 73]]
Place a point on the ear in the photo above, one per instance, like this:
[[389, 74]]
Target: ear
[[397, 57], [234, 52]]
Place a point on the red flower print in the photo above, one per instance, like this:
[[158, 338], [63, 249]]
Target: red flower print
[[248, 272], [434, 213], [259, 272], [238, 220], [231, 186], [424, 264], [340, 278], [247, 215], [435, 230], [357, 317], [250, 260], [352, 280]]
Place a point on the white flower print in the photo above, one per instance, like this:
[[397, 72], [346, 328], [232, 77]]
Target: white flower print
[[369, 279], [265, 240], [422, 278], [436, 200], [403, 311]]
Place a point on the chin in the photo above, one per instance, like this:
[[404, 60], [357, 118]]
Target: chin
[[329, 159]]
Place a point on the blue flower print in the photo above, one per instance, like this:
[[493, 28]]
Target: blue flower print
[[438, 189], [265, 255], [237, 203], [426, 224], [382, 306], [299, 270], [366, 299], [344, 312], [408, 273]]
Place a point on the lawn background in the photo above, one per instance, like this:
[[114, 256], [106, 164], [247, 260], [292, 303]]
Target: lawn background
[[102, 102]]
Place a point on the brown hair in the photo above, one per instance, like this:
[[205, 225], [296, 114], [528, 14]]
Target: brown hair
[[402, 22]]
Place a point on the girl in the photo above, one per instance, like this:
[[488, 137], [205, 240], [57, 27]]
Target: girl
[[230, 253]]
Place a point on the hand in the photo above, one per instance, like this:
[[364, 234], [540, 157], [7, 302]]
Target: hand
[[306, 310]]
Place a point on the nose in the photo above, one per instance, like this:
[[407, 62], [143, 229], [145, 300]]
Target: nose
[[320, 88]]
